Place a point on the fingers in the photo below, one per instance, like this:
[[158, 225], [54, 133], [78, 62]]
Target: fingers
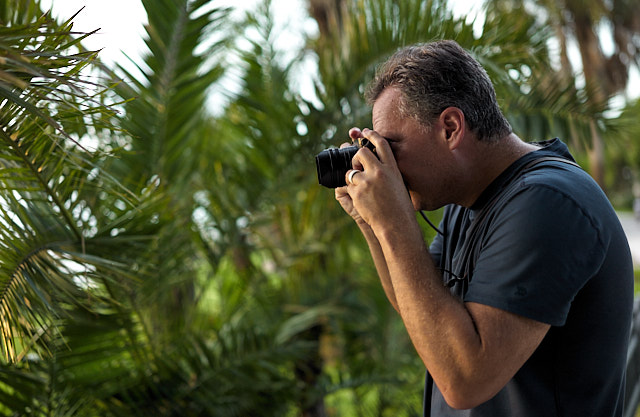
[[383, 150], [365, 158], [340, 192], [355, 133]]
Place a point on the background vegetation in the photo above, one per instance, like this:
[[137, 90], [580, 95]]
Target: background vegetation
[[161, 258]]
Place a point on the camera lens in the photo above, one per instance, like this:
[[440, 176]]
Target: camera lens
[[332, 165]]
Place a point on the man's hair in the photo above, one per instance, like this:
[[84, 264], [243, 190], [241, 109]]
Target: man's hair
[[437, 75]]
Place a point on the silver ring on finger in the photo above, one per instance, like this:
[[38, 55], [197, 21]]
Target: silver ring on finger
[[351, 174]]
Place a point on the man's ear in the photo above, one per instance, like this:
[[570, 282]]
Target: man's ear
[[453, 123]]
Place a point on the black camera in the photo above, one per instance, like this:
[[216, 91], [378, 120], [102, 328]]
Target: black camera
[[333, 163]]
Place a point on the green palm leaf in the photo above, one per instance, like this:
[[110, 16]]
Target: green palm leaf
[[166, 117], [47, 183]]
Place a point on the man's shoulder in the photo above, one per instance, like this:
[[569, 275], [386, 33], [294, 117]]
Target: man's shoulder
[[554, 184]]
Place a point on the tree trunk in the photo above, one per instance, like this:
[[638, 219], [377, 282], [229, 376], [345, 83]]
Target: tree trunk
[[308, 372], [594, 67], [327, 13]]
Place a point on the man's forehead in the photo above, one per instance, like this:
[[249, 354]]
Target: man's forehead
[[387, 104]]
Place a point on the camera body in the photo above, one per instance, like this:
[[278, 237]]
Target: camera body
[[332, 164]]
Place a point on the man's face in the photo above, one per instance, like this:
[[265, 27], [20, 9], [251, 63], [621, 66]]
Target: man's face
[[421, 155]]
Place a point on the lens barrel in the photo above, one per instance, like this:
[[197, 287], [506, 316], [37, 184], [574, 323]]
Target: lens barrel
[[332, 165]]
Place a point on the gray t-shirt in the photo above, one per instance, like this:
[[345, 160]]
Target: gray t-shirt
[[552, 249]]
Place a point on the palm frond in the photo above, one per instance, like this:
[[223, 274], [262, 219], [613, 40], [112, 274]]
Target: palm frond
[[166, 117], [48, 181]]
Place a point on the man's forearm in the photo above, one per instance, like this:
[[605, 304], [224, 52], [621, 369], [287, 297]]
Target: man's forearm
[[380, 263]]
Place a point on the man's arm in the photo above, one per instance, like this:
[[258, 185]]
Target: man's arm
[[381, 264], [471, 350], [374, 246], [346, 202]]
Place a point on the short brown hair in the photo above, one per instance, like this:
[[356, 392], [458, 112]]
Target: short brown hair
[[437, 75]]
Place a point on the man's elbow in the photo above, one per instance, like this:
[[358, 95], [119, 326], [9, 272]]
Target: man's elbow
[[461, 403], [464, 399]]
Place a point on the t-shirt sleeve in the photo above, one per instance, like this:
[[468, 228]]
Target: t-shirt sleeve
[[539, 251]]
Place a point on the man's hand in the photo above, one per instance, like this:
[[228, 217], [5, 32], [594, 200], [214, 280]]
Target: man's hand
[[341, 193], [377, 193]]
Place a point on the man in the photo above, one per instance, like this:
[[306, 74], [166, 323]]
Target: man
[[522, 304]]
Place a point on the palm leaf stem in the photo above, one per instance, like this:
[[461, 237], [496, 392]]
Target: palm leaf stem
[[36, 171]]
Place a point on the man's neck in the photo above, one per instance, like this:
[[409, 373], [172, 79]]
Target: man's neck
[[491, 160]]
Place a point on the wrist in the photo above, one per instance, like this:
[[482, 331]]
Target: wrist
[[398, 231]]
